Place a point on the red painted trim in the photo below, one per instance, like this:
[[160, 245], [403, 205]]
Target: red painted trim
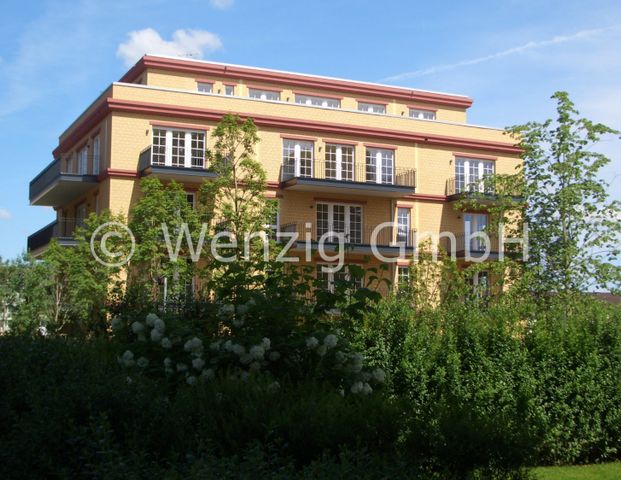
[[95, 133], [372, 102], [474, 155], [405, 205], [81, 146], [129, 106], [316, 94], [340, 200], [339, 142], [261, 87], [380, 145], [273, 184], [204, 80], [292, 80], [117, 173], [422, 107], [185, 126], [298, 137], [229, 84]]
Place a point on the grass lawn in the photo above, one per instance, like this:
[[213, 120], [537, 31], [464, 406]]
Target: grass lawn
[[605, 471]]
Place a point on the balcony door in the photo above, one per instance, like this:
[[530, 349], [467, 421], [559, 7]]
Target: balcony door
[[178, 148], [340, 218], [297, 158], [380, 165], [470, 173], [339, 162], [475, 223]]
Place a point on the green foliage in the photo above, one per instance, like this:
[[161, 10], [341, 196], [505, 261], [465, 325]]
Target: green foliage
[[574, 228]]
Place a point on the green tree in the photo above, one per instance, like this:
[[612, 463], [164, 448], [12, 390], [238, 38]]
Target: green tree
[[573, 226], [161, 222]]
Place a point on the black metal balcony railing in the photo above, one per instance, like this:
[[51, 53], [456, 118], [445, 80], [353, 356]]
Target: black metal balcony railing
[[388, 236], [457, 185], [58, 168], [145, 160], [361, 173], [474, 246], [62, 229]]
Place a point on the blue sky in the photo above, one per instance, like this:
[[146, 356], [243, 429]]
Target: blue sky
[[509, 56]]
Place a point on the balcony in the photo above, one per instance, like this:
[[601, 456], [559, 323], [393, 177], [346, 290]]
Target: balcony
[[389, 240], [485, 188], [61, 229], [471, 248], [54, 187], [180, 173], [322, 176]]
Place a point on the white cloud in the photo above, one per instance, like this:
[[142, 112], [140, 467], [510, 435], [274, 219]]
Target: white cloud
[[184, 43], [582, 34], [5, 214], [221, 4]]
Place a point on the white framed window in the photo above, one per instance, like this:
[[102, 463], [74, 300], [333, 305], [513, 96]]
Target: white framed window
[[371, 107], [264, 94], [403, 275], [297, 158], [83, 161], [380, 165], [317, 101], [229, 90], [340, 218], [470, 174], [404, 226], [69, 166], [422, 114], [191, 198], [480, 284], [329, 278], [178, 148], [475, 223], [205, 87], [339, 162], [96, 155]]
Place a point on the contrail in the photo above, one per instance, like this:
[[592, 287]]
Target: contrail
[[504, 53]]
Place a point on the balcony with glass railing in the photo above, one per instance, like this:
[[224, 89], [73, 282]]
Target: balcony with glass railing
[[56, 186], [354, 178], [178, 168]]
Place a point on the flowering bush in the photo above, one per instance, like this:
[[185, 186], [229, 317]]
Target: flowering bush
[[173, 351]]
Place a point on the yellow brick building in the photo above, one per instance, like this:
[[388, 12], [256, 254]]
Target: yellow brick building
[[340, 155]]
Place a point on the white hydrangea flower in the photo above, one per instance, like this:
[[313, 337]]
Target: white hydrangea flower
[[194, 346], [266, 343], [330, 341], [168, 371], [159, 325], [379, 375], [167, 362], [127, 358], [322, 350], [166, 343], [215, 346], [251, 302], [228, 345], [226, 310], [116, 323], [151, 318], [242, 309], [257, 352], [340, 357], [273, 387], [246, 359], [254, 367], [341, 392], [142, 362], [238, 350], [198, 363], [238, 322], [182, 367], [156, 336], [357, 387], [191, 380], [137, 327], [366, 389], [208, 374], [274, 356], [356, 364], [312, 342]]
